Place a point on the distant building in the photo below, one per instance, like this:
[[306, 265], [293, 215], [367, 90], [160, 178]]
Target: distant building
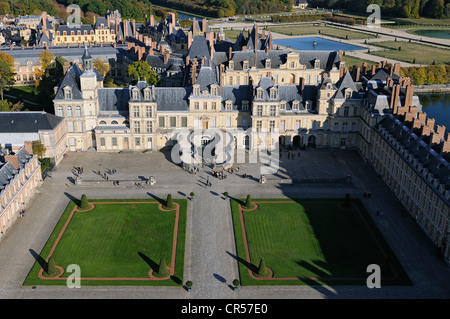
[[302, 4], [20, 174], [16, 128]]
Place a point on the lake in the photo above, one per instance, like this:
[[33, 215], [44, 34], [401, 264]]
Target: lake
[[321, 44], [437, 106], [445, 34]]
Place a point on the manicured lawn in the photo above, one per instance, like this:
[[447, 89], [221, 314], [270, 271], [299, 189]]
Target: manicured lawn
[[123, 240], [423, 54], [312, 238], [350, 61]]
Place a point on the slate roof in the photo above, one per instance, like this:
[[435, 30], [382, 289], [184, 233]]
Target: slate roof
[[7, 172], [113, 100], [420, 150], [206, 76], [27, 122], [199, 48], [172, 98], [72, 80], [345, 82]]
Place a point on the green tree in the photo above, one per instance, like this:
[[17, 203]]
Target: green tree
[[51, 268], [38, 148], [169, 202], [163, 271], [45, 58], [52, 75], [420, 76], [141, 71], [84, 202], [6, 72], [248, 202], [262, 269], [102, 67]]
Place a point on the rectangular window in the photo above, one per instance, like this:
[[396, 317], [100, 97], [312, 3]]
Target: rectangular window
[[136, 111], [196, 122], [298, 124], [162, 122], [271, 126], [205, 105], [258, 126], [137, 127], [346, 111], [184, 121], [196, 105], [231, 81], [114, 141], [344, 127], [214, 105], [149, 127], [228, 123], [282, 126], [80, 126], [213, 121], [149, 111], [173, 121], [244, 122], [273, 110], [355, 111], [342, 142], [353, 127], [137, 141], [336, 127], [102, 141], [70, 124], [259, 110]]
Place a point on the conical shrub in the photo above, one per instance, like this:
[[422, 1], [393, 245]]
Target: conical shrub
[[84, 202], [248, 202], [169, 202], [162, 269], [51, 268], [262, 269]]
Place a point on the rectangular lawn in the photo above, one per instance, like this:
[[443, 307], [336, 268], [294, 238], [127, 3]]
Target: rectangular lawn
[[312, 241], [115, 242]]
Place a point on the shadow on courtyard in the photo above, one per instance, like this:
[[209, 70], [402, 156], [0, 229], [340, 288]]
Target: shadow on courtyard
[[244, 262], [41, 261], [154, 266], [76, 200]]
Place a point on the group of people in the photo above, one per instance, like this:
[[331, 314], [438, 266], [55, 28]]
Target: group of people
[[219, 174], [22, 213], [77, 171], [290, 155]]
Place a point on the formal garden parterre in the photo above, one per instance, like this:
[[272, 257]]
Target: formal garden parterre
[[133, 242], [310, 241]]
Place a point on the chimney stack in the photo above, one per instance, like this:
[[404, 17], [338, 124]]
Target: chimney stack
[[29, 147], [13, 160], [166, 56], [230, 50], [189, 39], [204, 25], [397, 67], [409, 95], [152, 20], [193, 26], [394, 98], [302, 84]]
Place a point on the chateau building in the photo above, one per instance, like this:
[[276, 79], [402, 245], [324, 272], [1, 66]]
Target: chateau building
[[20, 174]]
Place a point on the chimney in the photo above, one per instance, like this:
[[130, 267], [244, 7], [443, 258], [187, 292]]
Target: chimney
[[125, 29], [170, 28], [244, 48], [116, 25], [340, 52], [302, 84], [394, 98], [44, 20], [189, 39], [13, 160], [193, 26], [204, 25], [256, 58], [211, 49], [134, 28], [270, 40], [397, 67], [230, 50], [419, 121], [29, 147], [141, 52], [166, 56], [391, 70], [187, 60], [220, 77], [172, 17], [194, 71], [162, 48], [152, 20], [150, 51], [66, 66], [374, 68], [389, 82], [263, 35], [364, 68], [409, 95]]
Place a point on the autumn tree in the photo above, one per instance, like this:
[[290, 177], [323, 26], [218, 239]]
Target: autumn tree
[[6, 72], [45, 58], [101, 66], [38, 148]]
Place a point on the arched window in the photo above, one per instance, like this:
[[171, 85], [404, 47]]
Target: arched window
[[69, 111], [78, 111], [102, 122], [114, 122], [60, 111], [259, 93]]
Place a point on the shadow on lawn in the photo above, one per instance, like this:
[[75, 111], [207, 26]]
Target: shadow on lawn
[[77, 201], [41, 261], [154, 266], [249, 266]]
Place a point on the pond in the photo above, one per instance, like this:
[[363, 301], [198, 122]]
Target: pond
[[437, 106], [443, 33], [320, 44]]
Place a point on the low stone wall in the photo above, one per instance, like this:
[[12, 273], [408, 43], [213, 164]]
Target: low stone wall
[[344, 180]]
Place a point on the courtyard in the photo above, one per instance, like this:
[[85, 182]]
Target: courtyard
[[211, 259]]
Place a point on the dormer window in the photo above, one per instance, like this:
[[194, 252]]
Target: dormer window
[[245, 105], [135, 94], [259, 93], [245, 65], [147, 94], [283, 105], [316, 64], [231, 65], [273, 93], [214, 90], [68, 93], [295, 105], [228, 105], [268, 63], [348, 94], [196, 90]]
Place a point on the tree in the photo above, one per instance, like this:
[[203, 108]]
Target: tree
[[84, 202], [52, 75], [169, 202], [262, 269], [38, 148], [51, 268], [162, 269], [188, 285], [102, 67], [6, 72], [248, 202], [421, 76], [45, 58], [141, 71]]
